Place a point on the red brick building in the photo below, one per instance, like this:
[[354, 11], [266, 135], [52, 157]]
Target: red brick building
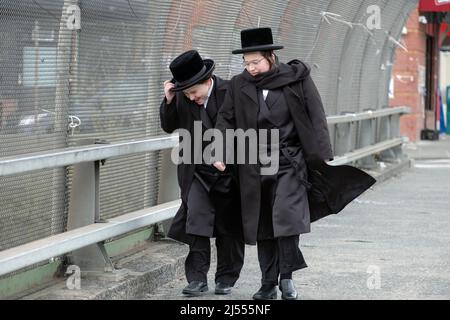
[[415, 71]]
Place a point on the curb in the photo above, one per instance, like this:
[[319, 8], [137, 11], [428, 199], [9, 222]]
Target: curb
[[391, 170], [137, 275]]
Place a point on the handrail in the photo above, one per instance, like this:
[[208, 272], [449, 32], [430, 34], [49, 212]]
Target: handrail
[[369, 114], [33, 252], [366, 151], [73, 155]]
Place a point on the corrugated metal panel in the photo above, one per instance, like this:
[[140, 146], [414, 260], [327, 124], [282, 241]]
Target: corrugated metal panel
[[299, 29], [116, 92], [31, 205], [327, 54], [353, 54], [374, 67], [389, 52]]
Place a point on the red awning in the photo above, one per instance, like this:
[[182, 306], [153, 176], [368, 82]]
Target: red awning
[[444, 35], [434, 5], [445, 27]]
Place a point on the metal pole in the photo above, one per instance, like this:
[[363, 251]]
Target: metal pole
[[395, 133], [343, 137], [83, 211], [366, 137], [168, 186], [385, 133]]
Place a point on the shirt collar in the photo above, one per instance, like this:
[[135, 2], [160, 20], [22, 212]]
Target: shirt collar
[[209, 93]]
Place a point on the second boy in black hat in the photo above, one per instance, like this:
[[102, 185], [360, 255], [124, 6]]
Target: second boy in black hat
[[210, 199], [271, 95]]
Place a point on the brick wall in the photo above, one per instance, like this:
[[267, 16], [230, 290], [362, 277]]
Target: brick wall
[[408, 74]]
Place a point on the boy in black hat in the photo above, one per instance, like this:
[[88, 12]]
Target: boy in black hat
[[277, 208], [210, 199]]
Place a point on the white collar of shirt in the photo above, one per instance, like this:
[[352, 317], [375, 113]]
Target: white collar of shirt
[[265, 93], [209, 93]]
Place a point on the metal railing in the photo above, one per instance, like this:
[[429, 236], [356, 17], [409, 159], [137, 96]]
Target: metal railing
[[359, 136], [375, 131]]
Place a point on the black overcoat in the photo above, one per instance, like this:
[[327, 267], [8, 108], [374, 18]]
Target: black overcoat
[[333, 187], [181, 114]]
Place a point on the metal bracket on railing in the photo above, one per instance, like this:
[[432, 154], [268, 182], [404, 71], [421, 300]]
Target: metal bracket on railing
[[366, 137], [84, 209], [102, 141], [343, 136], [375, 128], [389, 128]]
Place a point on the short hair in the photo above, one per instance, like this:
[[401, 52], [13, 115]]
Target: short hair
[[268, 56]]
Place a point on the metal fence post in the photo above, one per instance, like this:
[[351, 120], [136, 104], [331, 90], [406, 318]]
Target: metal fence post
[[84, 210], [395, 133], [385, 133], [366, 137], [343, 137], [389, 128], [168, 186]]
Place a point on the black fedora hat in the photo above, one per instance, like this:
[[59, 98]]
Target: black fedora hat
[[189, 69], [257, 39]]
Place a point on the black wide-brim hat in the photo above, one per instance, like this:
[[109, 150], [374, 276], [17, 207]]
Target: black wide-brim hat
[[257, 39], [189, 68]]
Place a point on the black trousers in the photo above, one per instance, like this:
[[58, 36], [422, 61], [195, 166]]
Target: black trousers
[[230, 259], [229, 243], [278, 257]]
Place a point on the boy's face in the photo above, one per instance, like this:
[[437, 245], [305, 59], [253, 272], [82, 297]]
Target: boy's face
[[199, 92], [255, 63]]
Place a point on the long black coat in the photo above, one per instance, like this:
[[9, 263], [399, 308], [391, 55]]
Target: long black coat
[[240, 110], [181, 114]]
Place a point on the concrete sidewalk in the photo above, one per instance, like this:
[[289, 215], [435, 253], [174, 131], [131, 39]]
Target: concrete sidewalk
[[427, 150], [390, 243]]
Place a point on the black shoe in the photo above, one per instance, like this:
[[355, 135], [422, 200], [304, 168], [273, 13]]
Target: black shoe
[[195, 288], [266, 292], [223, 288], [287, 289]]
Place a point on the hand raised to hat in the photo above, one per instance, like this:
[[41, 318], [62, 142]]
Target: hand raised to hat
[[219, 165], [168, 86]]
